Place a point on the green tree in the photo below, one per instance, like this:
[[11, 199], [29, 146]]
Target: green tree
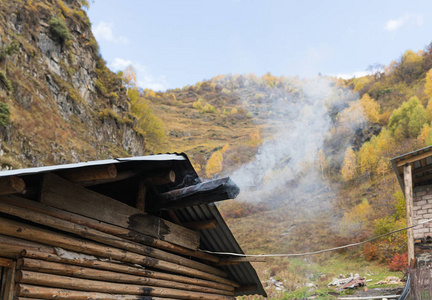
[[59, 29], [4, 114], [408, 120]]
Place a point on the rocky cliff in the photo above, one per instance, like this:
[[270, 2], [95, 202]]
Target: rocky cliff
[[59, 101]]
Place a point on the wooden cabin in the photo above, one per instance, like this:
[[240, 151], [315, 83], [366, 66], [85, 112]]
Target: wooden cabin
[[414, 172], [129, 228]]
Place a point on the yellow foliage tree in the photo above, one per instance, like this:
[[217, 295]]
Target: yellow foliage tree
[[371, 108], [214, 164], [428, 84], [425, 136], [349, 165], [130, 77], [356, 220]]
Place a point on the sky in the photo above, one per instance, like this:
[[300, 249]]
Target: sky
[[173, 43]]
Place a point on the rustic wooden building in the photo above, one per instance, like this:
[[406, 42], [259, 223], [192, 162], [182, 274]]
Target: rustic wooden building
[[414, 172], [130, 228]]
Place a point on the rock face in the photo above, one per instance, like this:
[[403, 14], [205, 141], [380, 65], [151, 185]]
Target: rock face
[[65, 104]]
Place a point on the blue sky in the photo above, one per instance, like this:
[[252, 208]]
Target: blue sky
[[175, 43]]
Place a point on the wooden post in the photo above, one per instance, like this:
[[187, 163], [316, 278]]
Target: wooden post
[[409, 208], [140, 201]]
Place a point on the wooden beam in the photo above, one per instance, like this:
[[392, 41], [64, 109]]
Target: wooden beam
[[409, 209], [66, 195], [413, 158], [422, 179], [89, 173], [159, 177], [201, 225], [104, 227], [43, 279], [207, 192], [68, 242], [107, 239], [11, 185], [124, 268], [422, 169], [111, 276], [120, 176]]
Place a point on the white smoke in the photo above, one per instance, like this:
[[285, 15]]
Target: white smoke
[[302, 123]]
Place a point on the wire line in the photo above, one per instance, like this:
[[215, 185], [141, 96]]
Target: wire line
[[316, 252]]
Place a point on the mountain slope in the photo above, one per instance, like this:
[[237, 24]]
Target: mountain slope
[[65, 105]]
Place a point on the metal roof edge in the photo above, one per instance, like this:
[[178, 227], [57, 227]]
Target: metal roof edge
[[37, 170]]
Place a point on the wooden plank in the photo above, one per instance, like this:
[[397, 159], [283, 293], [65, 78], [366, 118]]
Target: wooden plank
[[409, 209], [202, 193], [66, 282], [413, 158], [11, 185], [105, 227], [63, 194]]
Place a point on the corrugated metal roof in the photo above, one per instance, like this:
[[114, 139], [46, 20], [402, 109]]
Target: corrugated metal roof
[[219, 239]]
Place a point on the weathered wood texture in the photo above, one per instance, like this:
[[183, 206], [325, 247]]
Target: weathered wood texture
[[409, 208], [159, 177], [122, 268], [43, 279], [201, 225], [105, 227], [32, 233], [102, 275], [11, 185], [207, 192], [105, 238], [25, 290], [89, 173], [65, 195], [9, 282]]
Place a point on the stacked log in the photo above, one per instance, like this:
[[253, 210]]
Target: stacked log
[[128, 264]]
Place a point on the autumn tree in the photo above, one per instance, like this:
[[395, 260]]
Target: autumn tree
[[371, 108], [214, 164], [428, 85], [408, 120], [349, 165]]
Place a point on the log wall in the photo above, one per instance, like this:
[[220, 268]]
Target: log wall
[[49, 252]]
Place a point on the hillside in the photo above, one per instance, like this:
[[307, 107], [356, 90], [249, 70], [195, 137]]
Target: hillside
[[311, 155], [59, 101]]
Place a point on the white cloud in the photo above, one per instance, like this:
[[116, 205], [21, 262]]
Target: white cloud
[[352, 75], [104, 31], [405, 20], [145, 79]]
